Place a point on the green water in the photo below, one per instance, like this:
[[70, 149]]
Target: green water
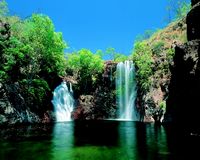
[[96, 140]]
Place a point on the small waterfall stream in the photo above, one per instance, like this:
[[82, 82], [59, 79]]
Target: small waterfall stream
[[63, 102], [126, 91]]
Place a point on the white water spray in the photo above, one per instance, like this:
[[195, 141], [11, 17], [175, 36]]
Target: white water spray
[[63, 102], [126, 91]]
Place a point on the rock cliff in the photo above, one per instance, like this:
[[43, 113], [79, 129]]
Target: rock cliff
[[152, 101], [184, 88], [100, 104]]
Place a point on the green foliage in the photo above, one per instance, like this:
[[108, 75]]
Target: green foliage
[[35, 46], [120, 57], [162, 105], [115, 56], [110, 52], [3, 8], [48, 48], [31, 53], [142, 57], [170, 54], [85, 59], [158, 47], [85, 67], [177, 9], [37, 90], [183, 9]]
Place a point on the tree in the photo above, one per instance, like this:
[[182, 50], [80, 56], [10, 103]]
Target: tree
[[115, 56], [85, 66], [32, 55], [110, 52], [48, 45], [142, 57], [177, 9]]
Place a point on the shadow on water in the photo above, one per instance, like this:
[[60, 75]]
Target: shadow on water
[[25, 142], [96, 133], [97, 140], [141, 140], [182, 146]]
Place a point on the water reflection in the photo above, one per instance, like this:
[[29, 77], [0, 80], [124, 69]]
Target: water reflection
[[25, 142], [63, 140], [182, 146], [96, 133], [156, 142], [141, 140], [97, 140], [127, 140]]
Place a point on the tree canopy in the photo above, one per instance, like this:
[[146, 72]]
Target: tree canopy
[[85, 66], [31, 53]]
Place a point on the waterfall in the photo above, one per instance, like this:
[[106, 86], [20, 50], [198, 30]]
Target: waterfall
[[63, 102], [126, 91]]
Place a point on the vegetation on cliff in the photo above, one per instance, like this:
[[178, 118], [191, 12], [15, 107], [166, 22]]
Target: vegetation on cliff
[[184, 87], [31, 57], [85, 66], [153, 57], [32, 60]]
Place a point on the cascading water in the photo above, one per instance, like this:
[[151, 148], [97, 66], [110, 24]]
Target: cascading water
[[126, 91], [63, 102]]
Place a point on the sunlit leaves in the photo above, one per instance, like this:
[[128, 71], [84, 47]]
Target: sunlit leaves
[[115, 56], [177, 9], [142, 57], [85, 61], [31, 54], [85, 66]]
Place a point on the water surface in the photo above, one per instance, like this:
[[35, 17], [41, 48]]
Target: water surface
[[97, 140]]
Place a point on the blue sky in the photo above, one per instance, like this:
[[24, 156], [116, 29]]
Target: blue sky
[[97, 24]]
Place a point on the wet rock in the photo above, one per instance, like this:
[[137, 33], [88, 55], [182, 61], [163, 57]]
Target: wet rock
[[85, 108], [49, 116], [12, 107], [158, 114]]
